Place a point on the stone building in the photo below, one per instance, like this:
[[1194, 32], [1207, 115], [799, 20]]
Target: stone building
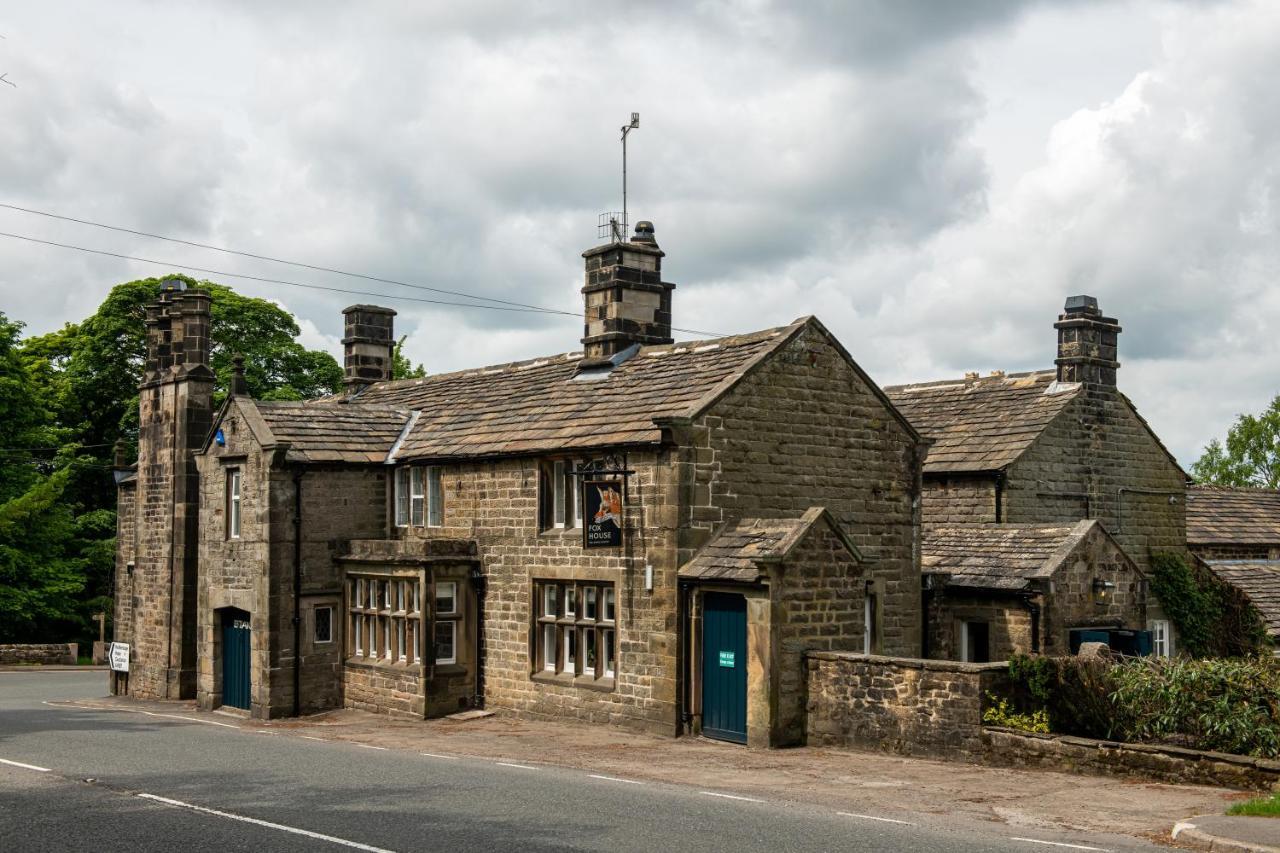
[[644, 533], [1236, 532], [1047, 448]]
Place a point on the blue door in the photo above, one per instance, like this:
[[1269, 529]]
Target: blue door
[[235, 659], [724, 667]]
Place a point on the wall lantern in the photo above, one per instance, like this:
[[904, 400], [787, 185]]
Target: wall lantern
[[1102, 590]]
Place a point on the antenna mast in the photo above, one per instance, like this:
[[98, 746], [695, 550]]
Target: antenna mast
[[614, 225]]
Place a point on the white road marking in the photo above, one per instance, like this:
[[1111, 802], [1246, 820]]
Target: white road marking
[[731, 797], [873, 817], [310, 737], [1060, 844], [614, 779], [253, 820], [80, 707], [509, 764], [438, 755], [24, 766], [368, 746]]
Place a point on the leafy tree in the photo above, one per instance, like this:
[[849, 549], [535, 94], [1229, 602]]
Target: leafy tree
[[402, 367], [1251, 455]]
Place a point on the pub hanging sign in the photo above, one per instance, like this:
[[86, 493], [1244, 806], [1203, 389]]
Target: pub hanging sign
[[602, 500]]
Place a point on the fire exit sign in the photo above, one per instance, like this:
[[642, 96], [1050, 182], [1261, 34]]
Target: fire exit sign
[[726, 658]]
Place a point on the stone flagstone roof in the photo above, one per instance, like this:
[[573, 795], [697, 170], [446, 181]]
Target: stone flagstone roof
[[331, 432], [1259, 581], [1219, 515], [543, 404], [999, 556], [737, 551], [982, 424]]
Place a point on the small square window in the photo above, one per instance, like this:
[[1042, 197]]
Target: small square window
[[323, 625], [446, 598], [446, 631]]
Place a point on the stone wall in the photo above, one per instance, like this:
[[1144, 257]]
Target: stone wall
[[384, 688], [1072, 604], [122, 582], [1097, 459], [806, 429], [958, 499], [42, 654], [1008, 621], [903, 705]]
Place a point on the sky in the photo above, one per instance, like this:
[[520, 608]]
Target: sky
[[932, 180]]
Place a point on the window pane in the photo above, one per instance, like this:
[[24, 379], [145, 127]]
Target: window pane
[[549, 647], [558, 497], [356, 634], [589, 651], [570, 650], [549, 594], [323, 624], [575, 500], [608, 604], [386, 594], [570, 600], [444, 641], [386, 638], [413, 588], [372, 587], [400, 639], [414, 647], [435, 498], [402, 497], [608, 652], [589, 603], [447, 597]]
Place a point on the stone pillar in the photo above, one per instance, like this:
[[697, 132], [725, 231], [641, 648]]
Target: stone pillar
[[175, 414], [367, 345], [626, 300], [1086, 343]]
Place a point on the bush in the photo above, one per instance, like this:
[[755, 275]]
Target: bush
[[1001, 713], [1213, 618], [1074, 693]]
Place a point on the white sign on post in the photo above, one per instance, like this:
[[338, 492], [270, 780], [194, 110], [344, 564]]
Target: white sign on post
[[119, 657]]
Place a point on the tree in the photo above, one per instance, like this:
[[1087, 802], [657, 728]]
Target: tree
[[1251, 455], [402, 367]]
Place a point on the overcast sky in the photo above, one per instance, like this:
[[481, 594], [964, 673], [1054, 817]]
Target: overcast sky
[[931, 179]]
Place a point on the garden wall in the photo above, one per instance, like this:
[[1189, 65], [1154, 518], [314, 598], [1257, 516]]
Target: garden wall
[[27, 654]]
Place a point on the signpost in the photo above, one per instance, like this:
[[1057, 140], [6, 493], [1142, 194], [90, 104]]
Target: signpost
[[119, 657], [602, 502]]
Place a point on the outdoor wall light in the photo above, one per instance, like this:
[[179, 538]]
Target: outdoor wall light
[[1101, 590]]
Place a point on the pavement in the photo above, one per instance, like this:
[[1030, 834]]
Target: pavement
[[1228, 832], [81, 770]]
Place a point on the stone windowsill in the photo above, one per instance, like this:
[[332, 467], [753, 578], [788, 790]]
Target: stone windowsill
[[398, 666], [602, 685]]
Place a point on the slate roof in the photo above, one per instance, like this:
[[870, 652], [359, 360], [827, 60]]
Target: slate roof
[[1259, 581], [1218, 515], [982, 424], [999, 556], [332, 432], [539, 405], [737, 551]]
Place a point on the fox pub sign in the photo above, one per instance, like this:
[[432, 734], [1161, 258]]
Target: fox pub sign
[[602, 500]]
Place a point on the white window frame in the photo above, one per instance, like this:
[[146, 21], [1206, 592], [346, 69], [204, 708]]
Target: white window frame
[[401, 637], [235, 482], [1161, 638], [609, 639], [402, 497], [590, 607], [453, 641], [315, 624], [579, 618], [549, 647], [559, 497], [417, 497], [435, 497], [452, 587]]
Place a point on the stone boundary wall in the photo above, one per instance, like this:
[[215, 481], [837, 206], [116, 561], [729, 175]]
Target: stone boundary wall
[[1013, 748], [28, 654], [934, 708], [904, 705]]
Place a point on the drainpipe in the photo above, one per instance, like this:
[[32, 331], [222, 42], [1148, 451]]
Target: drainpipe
[[1034, 609], [1120, 493], [1000, 478], [478, 584], [297, 592], [682, 670]]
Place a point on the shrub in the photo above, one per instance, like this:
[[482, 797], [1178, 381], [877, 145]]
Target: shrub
[[1001, 713], [1074, 693], [1213, 618]]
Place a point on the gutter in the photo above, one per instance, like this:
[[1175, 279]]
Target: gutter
[[1120, 493]]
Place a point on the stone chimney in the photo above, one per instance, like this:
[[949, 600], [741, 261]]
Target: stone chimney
[[368, 345], [177, 332], [1086, 343], [627, 302]]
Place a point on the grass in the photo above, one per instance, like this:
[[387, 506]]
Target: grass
[[1261, 807]]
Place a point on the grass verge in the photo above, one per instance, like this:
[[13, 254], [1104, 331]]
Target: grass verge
[[1261, 807]]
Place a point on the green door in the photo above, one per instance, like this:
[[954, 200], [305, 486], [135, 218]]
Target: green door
[[235, 659], [724, 667]]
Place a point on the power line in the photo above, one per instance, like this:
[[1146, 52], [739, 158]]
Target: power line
[[263, 279], [258, 257]]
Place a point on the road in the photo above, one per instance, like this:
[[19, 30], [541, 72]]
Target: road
[[103, 780]]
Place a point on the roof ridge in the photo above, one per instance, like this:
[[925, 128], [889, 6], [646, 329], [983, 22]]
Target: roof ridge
[[990, 378]]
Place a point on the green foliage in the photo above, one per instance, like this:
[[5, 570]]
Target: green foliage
[[1251, 456], [1260, 807], [1211, 617], [1001, 713], [402, 367], [1219, 705], [1073, 692]]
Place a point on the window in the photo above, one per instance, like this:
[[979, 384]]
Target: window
[[1161, 638], [435, 498], [402, 497], [576, 633], [383, 619], [446, 598], [446, 634], [975, 642], [870, 626], [322, 627], [560, 507], [233, 503], [416, 497]]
